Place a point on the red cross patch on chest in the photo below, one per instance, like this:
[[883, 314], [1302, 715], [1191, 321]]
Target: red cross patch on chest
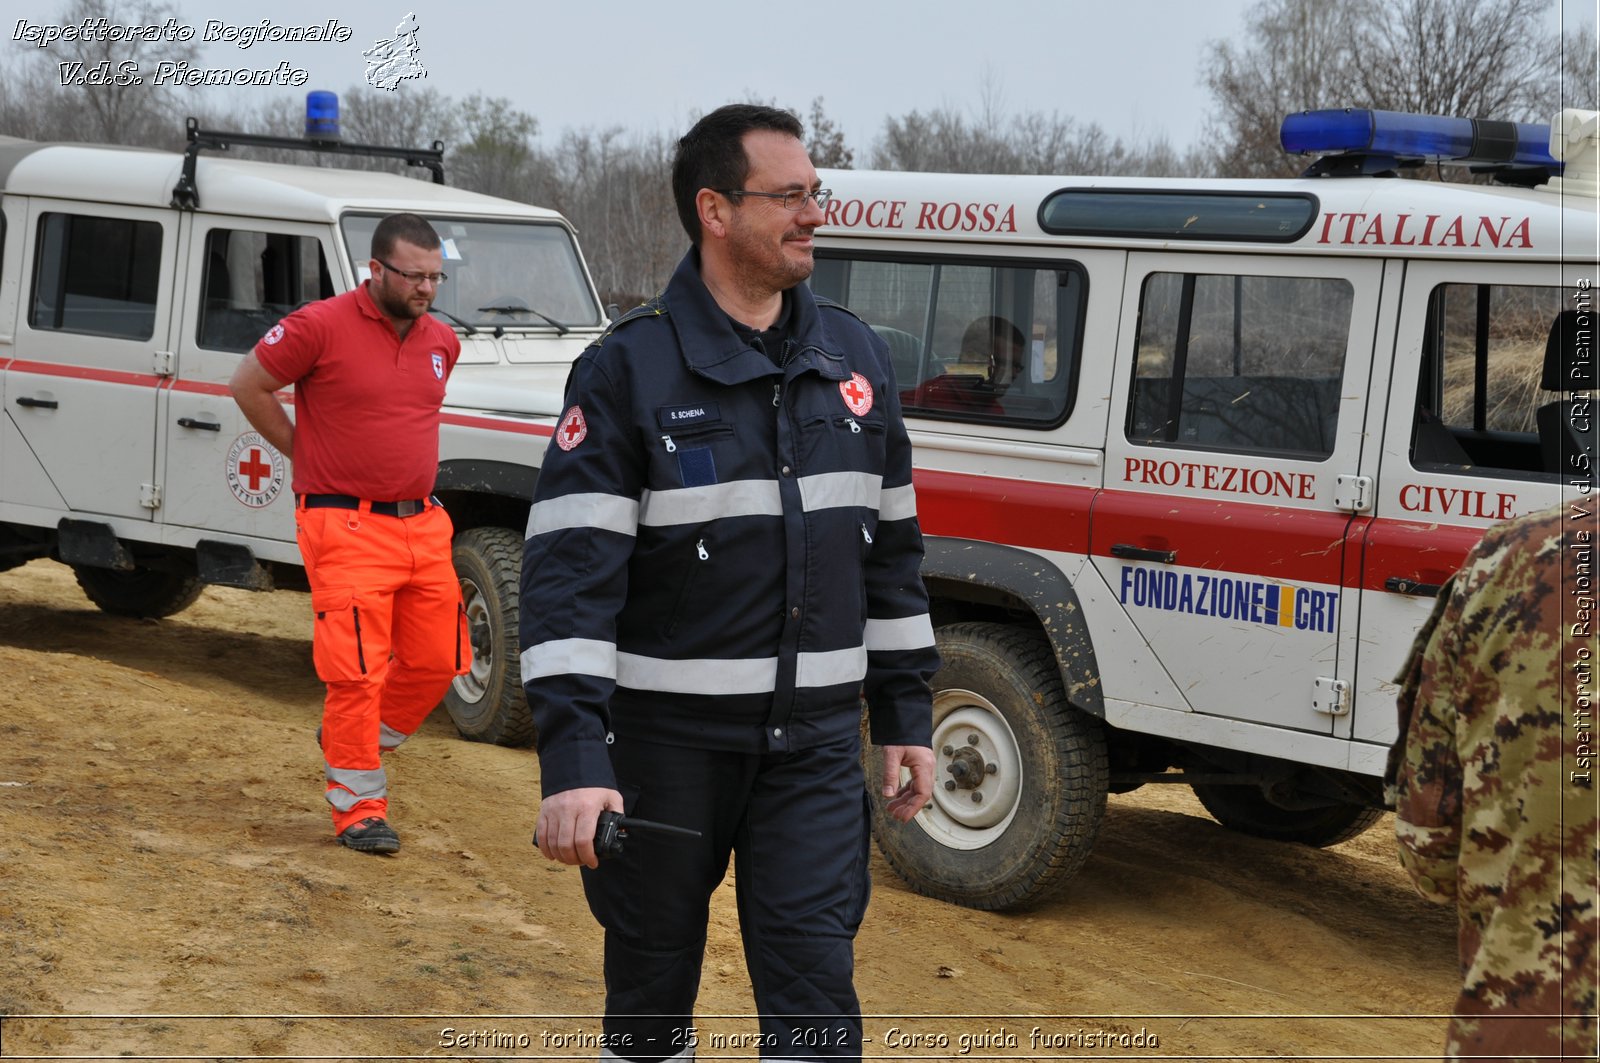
[[572, 429], [857, 393]]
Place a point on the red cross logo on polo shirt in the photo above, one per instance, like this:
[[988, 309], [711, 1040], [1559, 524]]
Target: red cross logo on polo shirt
[[857, 393], [254, 469], [572, 429]]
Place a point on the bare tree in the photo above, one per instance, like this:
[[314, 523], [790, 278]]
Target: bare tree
[[1474, 58], [1580, 72], [497, 157], [617, 191], [1032, 142], [1297, 55], [93, 89]]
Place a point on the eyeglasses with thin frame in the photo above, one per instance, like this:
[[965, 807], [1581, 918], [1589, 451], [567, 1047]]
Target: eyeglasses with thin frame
[[415, 279], [794, 199]]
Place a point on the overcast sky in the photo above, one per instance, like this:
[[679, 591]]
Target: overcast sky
[[1130, 65]]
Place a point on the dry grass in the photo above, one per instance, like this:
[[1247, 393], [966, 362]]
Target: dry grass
[[1513, 388]]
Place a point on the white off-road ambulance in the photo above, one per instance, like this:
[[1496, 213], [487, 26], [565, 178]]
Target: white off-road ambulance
[[131, 284], [1193, 458]]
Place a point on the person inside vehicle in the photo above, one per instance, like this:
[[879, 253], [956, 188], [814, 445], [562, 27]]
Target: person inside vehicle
[[992, 357]]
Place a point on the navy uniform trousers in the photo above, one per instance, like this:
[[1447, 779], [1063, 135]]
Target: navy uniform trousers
[[796, 824]]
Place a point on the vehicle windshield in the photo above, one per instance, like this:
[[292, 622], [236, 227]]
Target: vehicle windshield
[[514, 275]]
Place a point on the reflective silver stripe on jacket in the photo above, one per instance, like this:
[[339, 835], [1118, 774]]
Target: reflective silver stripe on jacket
[[834, 490], [570, 657], [696, 505], [897, 503], [736, 498], [712, 675], [751, 675], [831, 668], [589, 510], [358, 785], [905, 633]]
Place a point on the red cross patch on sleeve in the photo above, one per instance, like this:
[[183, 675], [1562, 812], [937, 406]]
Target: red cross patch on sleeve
[[572, 429], [857, 393]]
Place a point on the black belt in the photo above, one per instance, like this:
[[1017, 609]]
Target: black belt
[[408, 507]]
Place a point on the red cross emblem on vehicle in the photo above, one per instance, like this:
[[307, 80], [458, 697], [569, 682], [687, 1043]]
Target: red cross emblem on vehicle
[[572, 429], [857, 394], [254, 469]]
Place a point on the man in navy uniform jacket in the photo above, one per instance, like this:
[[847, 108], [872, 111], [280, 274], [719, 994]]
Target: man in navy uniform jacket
[[722, 559]]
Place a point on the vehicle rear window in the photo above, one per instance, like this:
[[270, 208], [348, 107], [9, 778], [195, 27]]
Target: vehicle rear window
[[96, 275]]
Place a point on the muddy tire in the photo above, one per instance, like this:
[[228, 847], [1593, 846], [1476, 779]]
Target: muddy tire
[[144, 592], [1246, 809], [1019, 814], [487, 703]]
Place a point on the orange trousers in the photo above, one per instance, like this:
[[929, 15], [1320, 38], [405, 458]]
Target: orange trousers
[[390, 634]]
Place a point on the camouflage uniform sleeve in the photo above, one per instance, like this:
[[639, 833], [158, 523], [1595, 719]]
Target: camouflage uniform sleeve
[[1424, 766]]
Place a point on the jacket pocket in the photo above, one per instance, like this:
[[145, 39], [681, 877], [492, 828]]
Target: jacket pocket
[[860, 425], [693, 450], [336, 638], [694, 572]]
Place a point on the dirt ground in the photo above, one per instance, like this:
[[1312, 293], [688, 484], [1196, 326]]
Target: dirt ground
[[169, 887]]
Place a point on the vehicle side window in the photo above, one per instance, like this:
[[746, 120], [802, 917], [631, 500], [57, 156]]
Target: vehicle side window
[[252, 279], [970, 341], [1240, 363], [1493, 395], [96, 275]]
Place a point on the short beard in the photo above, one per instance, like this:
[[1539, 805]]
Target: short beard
[[397, 309]]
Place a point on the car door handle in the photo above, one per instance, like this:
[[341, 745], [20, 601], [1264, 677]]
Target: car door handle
[[1402, 585], [38, 404], [1140, 553], [204, 426]]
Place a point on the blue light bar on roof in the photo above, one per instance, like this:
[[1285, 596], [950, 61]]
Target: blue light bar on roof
[[1434, 138], [322, 116]]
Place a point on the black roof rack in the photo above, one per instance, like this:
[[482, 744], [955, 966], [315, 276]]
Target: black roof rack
[[186, 195]]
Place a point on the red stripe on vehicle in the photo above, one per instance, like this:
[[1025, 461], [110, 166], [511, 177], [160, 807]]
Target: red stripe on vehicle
[[1272, 542], [83, 372], [1275, 542], [1019, 512], [200, 387], [1422, 552], [497, 426]]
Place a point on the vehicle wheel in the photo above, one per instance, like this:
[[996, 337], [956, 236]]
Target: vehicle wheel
[[144, 592], [1020, 784], [1247, 810], [487, 703]]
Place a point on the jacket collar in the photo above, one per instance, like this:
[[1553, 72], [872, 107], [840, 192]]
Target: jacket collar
[[712, 349]]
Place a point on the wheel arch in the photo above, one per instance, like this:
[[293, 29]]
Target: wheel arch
[[480, 493], [967, 578]]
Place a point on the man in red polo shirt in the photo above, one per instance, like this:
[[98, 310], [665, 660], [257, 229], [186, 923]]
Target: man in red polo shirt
[[369, 370]]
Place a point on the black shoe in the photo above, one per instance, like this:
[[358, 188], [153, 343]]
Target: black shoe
[[371, 835]]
